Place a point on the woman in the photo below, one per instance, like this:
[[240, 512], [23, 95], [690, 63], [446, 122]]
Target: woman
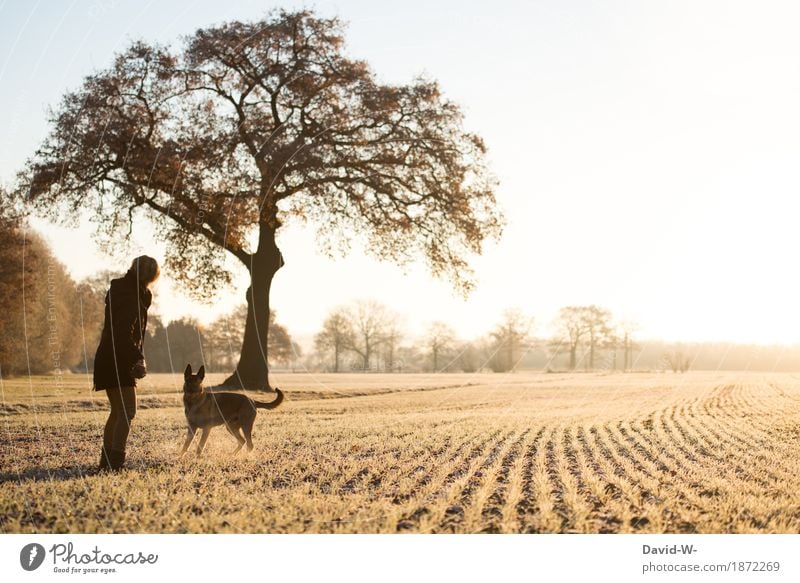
[[119, 360]]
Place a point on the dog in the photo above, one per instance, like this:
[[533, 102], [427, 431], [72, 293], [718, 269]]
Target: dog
[[205, 410]]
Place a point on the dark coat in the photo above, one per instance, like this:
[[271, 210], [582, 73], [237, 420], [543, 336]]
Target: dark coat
[[121, 343]]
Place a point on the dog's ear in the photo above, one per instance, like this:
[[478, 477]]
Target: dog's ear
[[188, 372], [201, 374]]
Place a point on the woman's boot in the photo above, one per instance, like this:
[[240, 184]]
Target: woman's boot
[[103, 460], [116, 459], [111, 459]]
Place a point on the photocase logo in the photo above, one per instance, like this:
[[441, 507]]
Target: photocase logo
[[31, 556]]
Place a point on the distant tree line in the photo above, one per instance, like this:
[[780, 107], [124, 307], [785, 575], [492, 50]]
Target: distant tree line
[[168, 348], [47, 319], [50, 323], [367, 336]]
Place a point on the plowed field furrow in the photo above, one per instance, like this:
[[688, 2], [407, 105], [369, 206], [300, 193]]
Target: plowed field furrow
[[733, 460], [636, 485], [497, 510], [448, 512], [612, 491], [522, 453], [418, 492], [526, 506], [753, 440]]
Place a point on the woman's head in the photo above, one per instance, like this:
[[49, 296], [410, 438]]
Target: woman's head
[[145, 269]]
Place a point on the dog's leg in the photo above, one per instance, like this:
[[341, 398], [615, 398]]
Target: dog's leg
[[247, 428], [189, 438], [235, 432], [203, 438]]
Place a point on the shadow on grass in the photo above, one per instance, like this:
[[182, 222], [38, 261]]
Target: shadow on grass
[[71, 472]]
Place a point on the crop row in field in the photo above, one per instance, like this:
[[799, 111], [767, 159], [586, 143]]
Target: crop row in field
[[520, 453]]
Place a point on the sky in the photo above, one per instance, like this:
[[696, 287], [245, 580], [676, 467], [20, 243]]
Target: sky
[[647, 155]]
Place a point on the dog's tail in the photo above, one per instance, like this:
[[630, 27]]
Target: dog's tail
[[278, 400]]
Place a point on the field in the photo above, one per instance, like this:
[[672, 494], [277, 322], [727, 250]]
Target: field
[[524, 452]]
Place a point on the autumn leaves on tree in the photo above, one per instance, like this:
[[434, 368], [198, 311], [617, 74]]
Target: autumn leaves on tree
[[248, 125]]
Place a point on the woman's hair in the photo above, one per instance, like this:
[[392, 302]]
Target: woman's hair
[[145, 269]]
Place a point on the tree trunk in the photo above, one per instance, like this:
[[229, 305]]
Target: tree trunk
[[390, 357], [628, 359], [573, 361], [336, 356], [252, 372]]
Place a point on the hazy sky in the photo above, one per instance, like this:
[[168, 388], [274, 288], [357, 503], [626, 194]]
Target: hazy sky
[[647, 152]]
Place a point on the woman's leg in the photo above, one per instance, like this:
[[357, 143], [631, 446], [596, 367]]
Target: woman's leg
[[126, 410], [111, 422], [115, 434]]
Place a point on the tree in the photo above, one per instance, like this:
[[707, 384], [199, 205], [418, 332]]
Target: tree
[[597, 324], [222, 339], [510, 337], [612, 342], [297, 354], [409, 359], [336, 335], [254, 123], [40, 313], [371, 321], [470, 357], [91, 294], [677, 360], [627, 329], [15, 269], [281, 347], [391, 338], [583, 323], [571, 323], [439, 339], [156, 347], [170, 348]]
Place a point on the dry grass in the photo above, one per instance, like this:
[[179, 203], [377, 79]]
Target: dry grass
[[702, 452]]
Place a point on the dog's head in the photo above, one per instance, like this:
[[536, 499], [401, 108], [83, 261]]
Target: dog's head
[[193, 383]]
